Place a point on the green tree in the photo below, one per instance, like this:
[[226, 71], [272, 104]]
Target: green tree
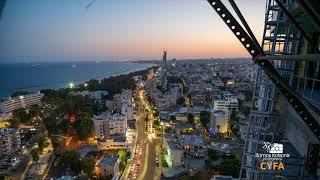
[[19, 93], [35, 111], [55, 144], [190, 118], [34, 154], [71, 160], [87, 165], [172, 118], [244, 110], [122, 154], [181, 101], [204, 118], [84, 126], [50, 123], [21, 115], [212, 154], [230, 167], [14, 123], [42, 143], [93, 85]]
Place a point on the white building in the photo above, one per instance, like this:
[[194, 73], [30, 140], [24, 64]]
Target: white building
[[114, 143], [95, 95], [220, 118], [107, 124], [126, 109], [118, 124], [101, 125], [173, 153], [225, 101], [108, 165], [11, 104], [9, 140]]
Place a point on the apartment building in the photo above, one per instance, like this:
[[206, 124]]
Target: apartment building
[[13, 103], [101, 125], [9, 140], [219, 119], [107, 124], [127, 110], [118, 124], [225, 101]]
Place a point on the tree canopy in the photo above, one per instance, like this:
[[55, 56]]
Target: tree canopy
[[204, 118], [71, 160], [84, 126], [19, 93], [230, 166], [21, 115]]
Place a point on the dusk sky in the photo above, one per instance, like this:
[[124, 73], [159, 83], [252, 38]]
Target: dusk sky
[[62, 30]]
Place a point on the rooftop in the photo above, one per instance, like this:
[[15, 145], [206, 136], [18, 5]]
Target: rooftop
[[5, 131], [119, 139], [108, 161], [219, 112], [174, 145], [227, 96], [191, 139], [103, 116], [183, 126]]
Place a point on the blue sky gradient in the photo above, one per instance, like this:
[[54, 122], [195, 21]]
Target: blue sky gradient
[[62, 30]]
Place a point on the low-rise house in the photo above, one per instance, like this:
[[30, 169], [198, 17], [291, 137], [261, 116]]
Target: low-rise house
[[182, 117], [114, 143], [193, 145], [108, 165], [173, 153], [183, 128]]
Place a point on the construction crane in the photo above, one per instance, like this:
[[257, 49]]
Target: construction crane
[[307, 112]]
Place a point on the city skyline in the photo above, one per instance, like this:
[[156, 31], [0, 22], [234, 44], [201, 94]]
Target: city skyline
[[69, 31]]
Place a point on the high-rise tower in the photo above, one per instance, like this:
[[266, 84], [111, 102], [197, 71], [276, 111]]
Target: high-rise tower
[[164, 58]]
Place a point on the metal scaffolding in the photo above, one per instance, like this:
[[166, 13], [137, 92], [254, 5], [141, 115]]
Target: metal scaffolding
[[279, 39], [276, 61]]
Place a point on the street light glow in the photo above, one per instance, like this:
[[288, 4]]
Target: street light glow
[[71, 85]]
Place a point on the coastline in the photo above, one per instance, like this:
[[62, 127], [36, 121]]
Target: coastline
[[64, 84]]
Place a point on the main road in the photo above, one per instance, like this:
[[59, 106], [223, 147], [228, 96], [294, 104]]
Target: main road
[[148, 143]]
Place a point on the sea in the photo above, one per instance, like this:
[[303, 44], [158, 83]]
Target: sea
[[36, 76]]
